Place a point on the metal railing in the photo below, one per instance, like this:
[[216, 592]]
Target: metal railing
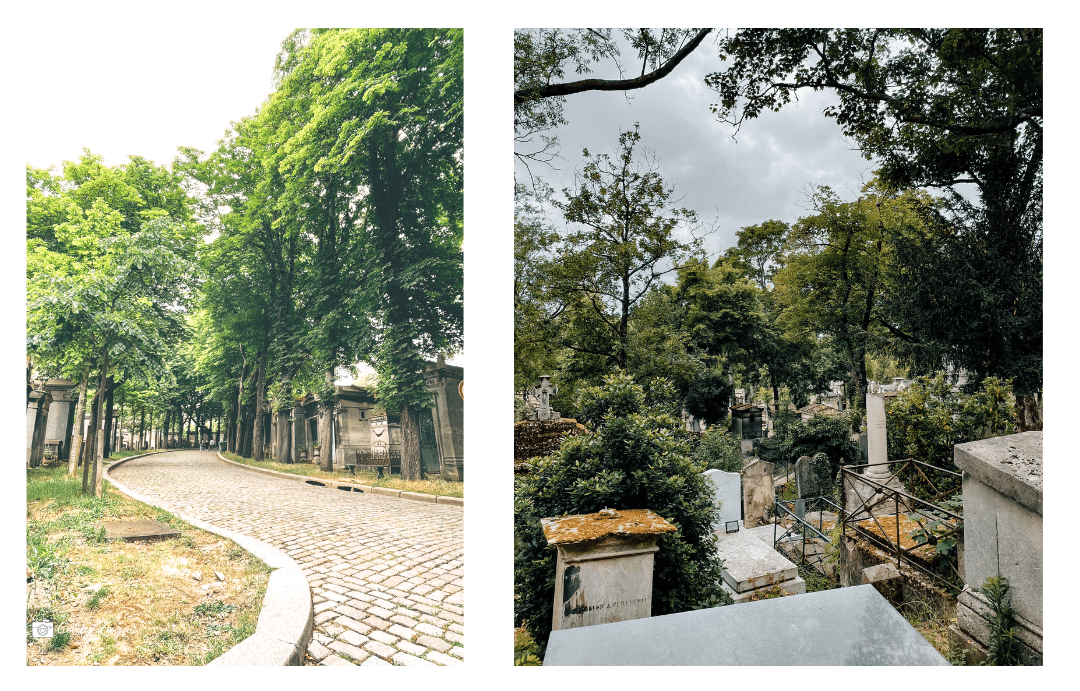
[[884, 493], [797, 509]]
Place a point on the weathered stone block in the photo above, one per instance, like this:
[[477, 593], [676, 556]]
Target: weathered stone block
[[758, 494], [604, 568]]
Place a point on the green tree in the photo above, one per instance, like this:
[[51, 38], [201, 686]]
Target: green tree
[[625, 240], [951, 109], [386, 115], [631, 460], [841, 268]]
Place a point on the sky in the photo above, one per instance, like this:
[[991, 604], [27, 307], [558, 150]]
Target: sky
[[730, 179]]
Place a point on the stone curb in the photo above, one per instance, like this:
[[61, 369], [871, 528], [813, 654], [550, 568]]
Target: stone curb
[[287, 617], [353, 487]]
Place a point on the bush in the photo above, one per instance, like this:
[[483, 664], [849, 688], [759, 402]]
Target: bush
[[821, 434], [719, 449], [631, 460], [929, 418]]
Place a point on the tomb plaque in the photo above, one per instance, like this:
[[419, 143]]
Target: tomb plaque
[[847, 626], [131, 531], [757, 479], [604, 569], [727, 494]]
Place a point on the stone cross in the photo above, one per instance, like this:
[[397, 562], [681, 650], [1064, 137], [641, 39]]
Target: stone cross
[[543, 391], [877, 439]]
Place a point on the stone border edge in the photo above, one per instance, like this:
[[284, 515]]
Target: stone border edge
[[287, 617], [353, 487]]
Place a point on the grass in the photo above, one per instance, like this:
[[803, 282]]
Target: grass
[[129, 603], [933, 625], [445, 488]]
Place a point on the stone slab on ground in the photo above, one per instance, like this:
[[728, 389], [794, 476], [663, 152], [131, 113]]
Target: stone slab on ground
[[847, 626], [132, 531], [750, 563], [796, 586]]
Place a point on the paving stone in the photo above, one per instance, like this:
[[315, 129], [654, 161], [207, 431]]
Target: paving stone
[[349, 650], [403, 620], [381, 649], [353, 638], [350, 611], [434, 643], [458, 651], [335, 661], [375, 662], [437, 657], [406, 660], [317, 651], [376, 623], [325, 616], [401, 632], [333, 629], [454, 637], [352, 625], [412, 648], [380, 612], [429, 630], [384, 637]]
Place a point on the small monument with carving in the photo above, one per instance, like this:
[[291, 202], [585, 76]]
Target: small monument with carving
[[604, 571], [543, 391]]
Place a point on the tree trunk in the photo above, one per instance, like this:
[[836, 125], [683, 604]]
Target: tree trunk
[[326, 435], [90, 441], [410, 445], [283, 452], [77, 435], [260, 394], [1028, 417], [97, 449], [109, 391], [237, 446]]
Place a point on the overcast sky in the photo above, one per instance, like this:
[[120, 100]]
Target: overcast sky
[[762, 174]]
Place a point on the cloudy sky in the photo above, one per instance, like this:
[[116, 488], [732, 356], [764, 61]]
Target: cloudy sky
[[763, 173]]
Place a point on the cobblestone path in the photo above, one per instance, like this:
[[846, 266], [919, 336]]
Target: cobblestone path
[[387, 574]]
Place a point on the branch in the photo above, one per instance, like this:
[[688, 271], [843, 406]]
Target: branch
[[568, 88]]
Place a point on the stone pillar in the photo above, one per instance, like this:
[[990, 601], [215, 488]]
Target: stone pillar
[[1003, 524], [604, 570], [877, 437], [37, 416]]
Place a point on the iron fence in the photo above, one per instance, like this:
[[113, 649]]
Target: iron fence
[[884, 493]]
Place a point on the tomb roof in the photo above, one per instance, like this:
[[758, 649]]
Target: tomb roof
[[594, 526]]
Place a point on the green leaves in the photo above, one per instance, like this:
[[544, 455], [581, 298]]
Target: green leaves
[[631, 459]]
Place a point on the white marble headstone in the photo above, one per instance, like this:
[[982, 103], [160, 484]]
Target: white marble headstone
[[727, 493]]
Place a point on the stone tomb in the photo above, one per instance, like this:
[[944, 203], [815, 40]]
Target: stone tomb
[[727, 494], [758, 492], [1003, 526], [604, 570], [134, 531], [848, 626], [752, 566]]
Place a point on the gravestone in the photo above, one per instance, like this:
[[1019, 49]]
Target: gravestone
[[1003, 503], [806, 480], [846, 626], [543, 391], [604, 569], [727, 494], [758, 492]]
